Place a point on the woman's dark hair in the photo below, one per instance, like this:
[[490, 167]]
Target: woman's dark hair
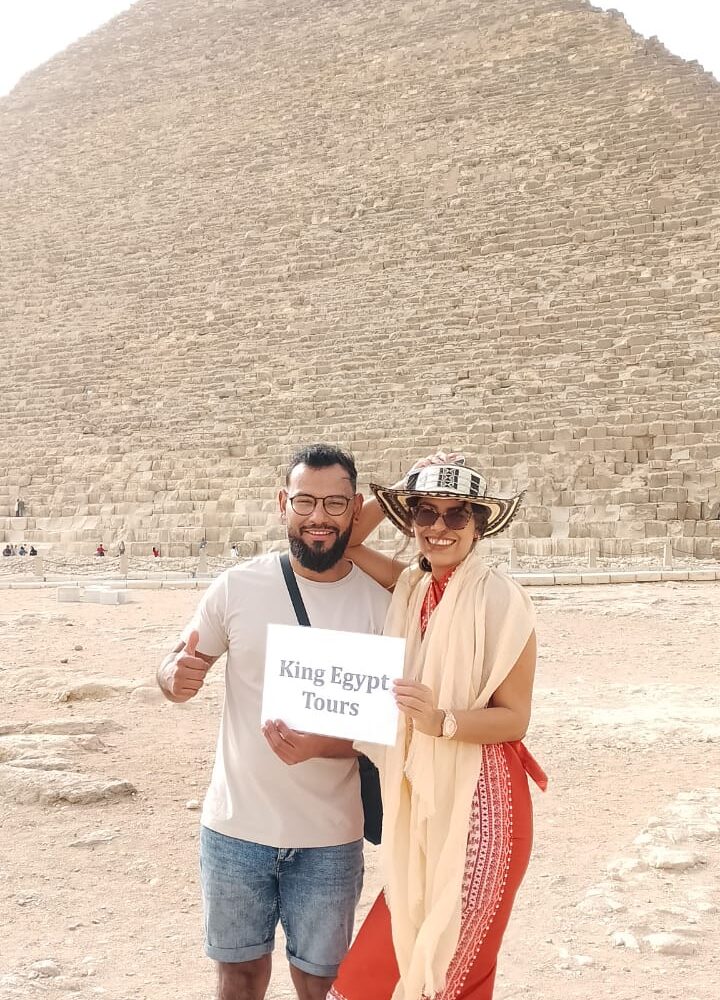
[[481, 516], [322, 456]]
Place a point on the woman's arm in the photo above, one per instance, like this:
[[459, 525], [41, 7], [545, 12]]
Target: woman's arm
[[506, 718], [370, 516], [385, 570]]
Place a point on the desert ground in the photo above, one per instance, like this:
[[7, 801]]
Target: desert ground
[[100, 782]]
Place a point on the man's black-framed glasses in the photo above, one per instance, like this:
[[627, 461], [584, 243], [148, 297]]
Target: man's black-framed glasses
[[305, 503]]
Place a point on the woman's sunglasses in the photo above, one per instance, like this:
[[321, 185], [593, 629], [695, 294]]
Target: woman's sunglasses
[[455, 519]]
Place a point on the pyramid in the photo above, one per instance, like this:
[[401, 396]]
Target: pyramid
[[233, 227]]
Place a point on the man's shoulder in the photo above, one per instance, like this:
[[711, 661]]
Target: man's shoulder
[[370, 586], [253, 571], [249, 585]]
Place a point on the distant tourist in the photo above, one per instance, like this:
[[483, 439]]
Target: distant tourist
[[156, 552], [203, 544], [19, 507], [121, 548], [7, 551], [22, 551], [33, 551], [234, 551], [100, 550]]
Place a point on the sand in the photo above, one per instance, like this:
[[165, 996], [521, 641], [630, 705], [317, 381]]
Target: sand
[[100, 781]]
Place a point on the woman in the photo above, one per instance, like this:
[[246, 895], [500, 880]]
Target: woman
[[457, 827]]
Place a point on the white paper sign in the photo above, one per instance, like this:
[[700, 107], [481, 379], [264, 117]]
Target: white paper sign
[[332, 683]]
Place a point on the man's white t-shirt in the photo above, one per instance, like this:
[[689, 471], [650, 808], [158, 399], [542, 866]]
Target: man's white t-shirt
[[253, 795]]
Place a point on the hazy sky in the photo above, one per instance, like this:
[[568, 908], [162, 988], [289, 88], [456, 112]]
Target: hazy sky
[[32, 31], [689, 28]]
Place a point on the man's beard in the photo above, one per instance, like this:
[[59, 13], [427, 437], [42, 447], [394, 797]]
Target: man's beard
[[318, 560]]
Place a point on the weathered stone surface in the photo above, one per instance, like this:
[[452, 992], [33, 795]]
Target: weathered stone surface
[[47, 967], [51, 787], [46, 762], [670, 944], [97, 689], [678, 923], [671, 859], [214, 248]]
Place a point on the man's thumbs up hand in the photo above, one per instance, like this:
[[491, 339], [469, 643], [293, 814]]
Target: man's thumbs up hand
[[191, 644], [183, 676]]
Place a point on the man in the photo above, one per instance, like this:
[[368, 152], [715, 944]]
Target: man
[[280, 842]]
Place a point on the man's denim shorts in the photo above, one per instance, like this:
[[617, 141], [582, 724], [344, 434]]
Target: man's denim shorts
[[312, 891]]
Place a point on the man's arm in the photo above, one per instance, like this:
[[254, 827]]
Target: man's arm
[[182, 673], [293, 747]]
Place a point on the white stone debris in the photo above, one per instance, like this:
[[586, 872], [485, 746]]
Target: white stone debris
[[667, 890], [670, 944], [624, 939], [46, 967]]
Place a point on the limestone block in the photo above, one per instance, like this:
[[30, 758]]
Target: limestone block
[[702, 574], [535, 579], [674, 493], [563, 546], [701, 548], [72, 594], [630, 529], [540, 529], [602, 530], [102, 595]]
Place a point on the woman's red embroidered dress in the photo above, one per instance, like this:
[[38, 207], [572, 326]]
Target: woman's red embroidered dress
[[498, 850]]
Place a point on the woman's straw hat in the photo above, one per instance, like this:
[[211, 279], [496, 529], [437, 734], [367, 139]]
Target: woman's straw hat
[[447, 482]]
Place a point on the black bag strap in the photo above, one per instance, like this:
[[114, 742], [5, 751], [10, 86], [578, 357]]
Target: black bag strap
[[369, 777], [293, 589]]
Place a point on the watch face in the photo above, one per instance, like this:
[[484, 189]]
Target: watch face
[[449, 725]]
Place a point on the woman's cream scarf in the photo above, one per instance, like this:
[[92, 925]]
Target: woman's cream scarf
[[473, 639]]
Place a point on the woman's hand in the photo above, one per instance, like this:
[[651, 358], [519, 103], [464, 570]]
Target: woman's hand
[[439, 458], [417, 701]]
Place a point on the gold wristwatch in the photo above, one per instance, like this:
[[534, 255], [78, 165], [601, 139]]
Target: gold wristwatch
[[449, 726]]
